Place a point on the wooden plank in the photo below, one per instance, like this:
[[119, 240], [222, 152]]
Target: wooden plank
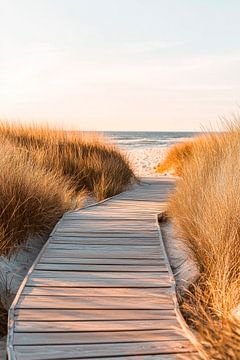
[[120, 234], [107, 236], [118, 229], [96, 337], [93, 314], [101, 261], [106, 210], [49, 352], [165, 293], [124, 242], [130, 204], [101, 217], [102, 268], [182, 356], [125, 283], [95, 302], [72, 326], [104, 254], [117, 218], [103, 241], [89, 275], [104, 234], [103, 248], [69, 282], [131, 222]]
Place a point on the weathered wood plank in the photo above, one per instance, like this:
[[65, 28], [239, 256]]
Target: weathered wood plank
[[89, 275], [121, 234], [91, 314], [95, 302], [120, 229], [104, 234], [99, 248], [95, 337], [165, 293], [182, 356], [103, 241], [112, 217], [69, 282], [91, 326], [101, 261], [102, 268], [104, 254], [49, 352]]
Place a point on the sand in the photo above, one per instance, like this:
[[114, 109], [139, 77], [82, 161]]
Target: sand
[[144, 160], [184, 270]]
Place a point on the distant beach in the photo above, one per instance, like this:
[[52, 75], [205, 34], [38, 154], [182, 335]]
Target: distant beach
[[146, 149]]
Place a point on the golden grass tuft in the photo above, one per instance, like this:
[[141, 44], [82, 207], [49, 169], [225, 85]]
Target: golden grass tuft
[[44, 173], [205, 209], [31, 201], [175, 157], [88, 161]]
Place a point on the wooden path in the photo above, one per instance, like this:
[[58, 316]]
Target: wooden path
[[102, 287]]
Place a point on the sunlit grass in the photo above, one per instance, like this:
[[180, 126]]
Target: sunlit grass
[[90, 162], [205, 211], [175, 157], [46, 172]]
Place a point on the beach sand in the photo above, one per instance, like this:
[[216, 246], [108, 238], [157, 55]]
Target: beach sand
[[144, 160]]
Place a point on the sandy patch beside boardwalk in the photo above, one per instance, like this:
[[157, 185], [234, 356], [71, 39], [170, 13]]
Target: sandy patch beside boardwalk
[[144, 160], [184, 270]]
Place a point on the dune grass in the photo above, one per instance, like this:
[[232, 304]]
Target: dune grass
[[205, 210], [88, 161], [175, 157], [44, 173], [31, 200]]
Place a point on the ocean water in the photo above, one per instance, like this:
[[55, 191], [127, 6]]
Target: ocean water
[[130, 140]]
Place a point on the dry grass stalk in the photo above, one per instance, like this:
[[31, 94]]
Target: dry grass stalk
[[44, 173], [32, 200], [89, 162], [175, 157], [205, 210]]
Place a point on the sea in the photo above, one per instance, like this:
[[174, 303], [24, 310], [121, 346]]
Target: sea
[[130, 140]]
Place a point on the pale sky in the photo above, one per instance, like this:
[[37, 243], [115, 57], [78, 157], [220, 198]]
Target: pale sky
[[120, 64]]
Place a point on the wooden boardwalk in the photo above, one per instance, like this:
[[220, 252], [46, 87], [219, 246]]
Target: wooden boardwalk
[[102, 287]]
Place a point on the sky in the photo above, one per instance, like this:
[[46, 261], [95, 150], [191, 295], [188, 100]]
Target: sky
[[151, 65]]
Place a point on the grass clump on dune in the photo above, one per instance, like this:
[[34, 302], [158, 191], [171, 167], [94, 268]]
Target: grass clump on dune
[[205, 210], [87, 161], [175, 157], [31, 201], [46, 172]]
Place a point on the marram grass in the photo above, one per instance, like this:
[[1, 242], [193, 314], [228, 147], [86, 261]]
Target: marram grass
[[205, 210]]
